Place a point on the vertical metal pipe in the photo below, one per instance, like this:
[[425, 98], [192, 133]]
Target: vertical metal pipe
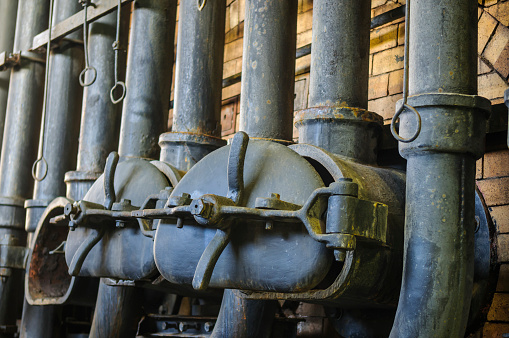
[[199, 70], [340, 53], [149, 74], [9, 9], [144, 117], [60, 141], [268, 69], [19, 150], [338, 92], [439, 217], [100, 118], [242, 318]]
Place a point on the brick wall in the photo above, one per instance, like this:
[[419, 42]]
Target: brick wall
[[385, 88]]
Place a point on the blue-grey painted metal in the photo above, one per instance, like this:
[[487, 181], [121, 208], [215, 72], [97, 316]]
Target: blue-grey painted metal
[[268, 69], [148, 79], [59, 149], [8, 11], [439, 217], [144, 118], [19, 150]]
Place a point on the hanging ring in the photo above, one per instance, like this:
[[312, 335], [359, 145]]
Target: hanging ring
[[82, 76], [34, 169], [118, 84], [202, 4], [396, 117]]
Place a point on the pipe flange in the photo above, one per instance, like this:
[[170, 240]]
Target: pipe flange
[[12, 212], [337, 113], [190, 138], [34, 210], [81, 176], [451, 123]]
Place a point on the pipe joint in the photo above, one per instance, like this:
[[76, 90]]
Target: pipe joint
[[12, 212], [34, 210], [451, 123], [346, 131]]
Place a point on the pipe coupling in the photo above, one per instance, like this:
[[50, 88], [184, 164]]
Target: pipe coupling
[[451, 123], [12, 212]]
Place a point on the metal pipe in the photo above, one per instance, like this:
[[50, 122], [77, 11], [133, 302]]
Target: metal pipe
[[144, 117], [340, 53], [59, 150], [268, 69], [149, 74], [338, 92], [244, 318], [196, 116], [100, 118], [7, 27], [19, 150], [439, 218], [267, 94]]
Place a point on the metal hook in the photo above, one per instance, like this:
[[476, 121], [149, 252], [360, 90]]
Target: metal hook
[[122, 85], [396, 117], [85, 4], [34, 169], [202, 5], [82, 76]]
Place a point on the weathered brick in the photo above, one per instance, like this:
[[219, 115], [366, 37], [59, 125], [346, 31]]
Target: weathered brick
[[495, 191], [227, 26], [478, 169], [302, 64], [242, 10], [233, 50], [304, 38], [496, 164], [378, 86], [383, 38], [495, 330], [486, 26], [482, 67], [500, 216], [376, 3], [385, 8], [497, 44], [501, 12], [388, 60], [229, 68], [396, 82], [491, 86], [384, 106], [231, 91], [234, 13], [488, 3], [503, 279], [370, 66], [499, 310], [401, 33], [304, 21]]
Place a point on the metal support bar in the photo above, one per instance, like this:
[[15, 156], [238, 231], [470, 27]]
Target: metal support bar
[[75, 22]]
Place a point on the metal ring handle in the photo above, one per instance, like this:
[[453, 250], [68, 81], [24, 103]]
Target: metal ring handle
[[122, 85], [82, 75], [34, 168], [396, 117], [202, 5]]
